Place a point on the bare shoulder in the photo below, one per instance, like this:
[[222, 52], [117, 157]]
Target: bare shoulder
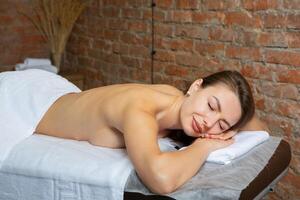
[[255, 124], [167, 89]]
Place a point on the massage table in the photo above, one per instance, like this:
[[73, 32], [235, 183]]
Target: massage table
[[35, 167], [31, 172]]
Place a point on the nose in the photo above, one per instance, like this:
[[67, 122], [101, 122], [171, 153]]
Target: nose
[[210, 119]]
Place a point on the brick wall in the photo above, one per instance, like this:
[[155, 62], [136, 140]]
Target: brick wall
[[18, 38], [111, 43]]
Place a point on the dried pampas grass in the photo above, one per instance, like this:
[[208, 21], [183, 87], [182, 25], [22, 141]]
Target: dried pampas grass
[[55, 20]]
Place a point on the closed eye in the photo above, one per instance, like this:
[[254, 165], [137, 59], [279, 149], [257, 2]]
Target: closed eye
[[210, 107], [221, 127]]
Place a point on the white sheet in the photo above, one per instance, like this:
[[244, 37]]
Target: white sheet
[[25, 96], [73, 161], [70, 160]]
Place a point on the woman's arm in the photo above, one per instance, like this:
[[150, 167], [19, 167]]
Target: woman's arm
[[161, 172]]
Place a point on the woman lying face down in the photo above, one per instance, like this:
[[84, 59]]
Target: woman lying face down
[[133, 116]]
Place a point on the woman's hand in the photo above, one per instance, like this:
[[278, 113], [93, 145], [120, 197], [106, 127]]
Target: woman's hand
[[223, 136]]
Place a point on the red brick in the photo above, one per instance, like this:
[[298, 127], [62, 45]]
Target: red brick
[[181, 16], [219, 4], [129, 61], [130, 38], [139, 51], [102, 44], [289, 109], [221, 34], [189, 60], [214, 64], [290, 76], [295, 162], [243, 19], [279, 90], [260, 103], [177, 44], [138, 75], [163, 29], [147, 14], [292, 180], [5, 19], [187, 4], [291, 4], [165, 56], [278, 126], [164, 3], [272, 39], [115, 24], [120, 48], [29, 39], [116, 3], [136, 3], [272, 20], [176, 70], [283, 57], [138, 26], [111, 12], [244, 53], [208, 18], [145, 64], [159, 15], [191, 31], [83, 61], [293, 39], [255, 5], [205, 48], [111, 34], [293, 21], [246, 38], [131, 13]]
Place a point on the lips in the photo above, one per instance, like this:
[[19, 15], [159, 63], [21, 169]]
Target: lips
[[196, 127]]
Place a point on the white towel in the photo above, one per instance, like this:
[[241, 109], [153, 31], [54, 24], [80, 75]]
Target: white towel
[[49, 68], [244, 141], [37, 61], [25, 96]]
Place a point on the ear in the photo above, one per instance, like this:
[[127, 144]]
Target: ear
[[196, 85]]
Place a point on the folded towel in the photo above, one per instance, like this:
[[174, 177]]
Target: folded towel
[[244, 141], [49, 68], [37, 61], [25, 97]]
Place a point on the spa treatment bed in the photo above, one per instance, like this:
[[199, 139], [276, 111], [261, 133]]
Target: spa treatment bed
[[35, 167], [48, 168]]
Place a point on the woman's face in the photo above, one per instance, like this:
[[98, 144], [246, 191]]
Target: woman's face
[[211, 110]]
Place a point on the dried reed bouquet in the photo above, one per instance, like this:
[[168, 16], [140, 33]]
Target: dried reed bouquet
[[55, 20]]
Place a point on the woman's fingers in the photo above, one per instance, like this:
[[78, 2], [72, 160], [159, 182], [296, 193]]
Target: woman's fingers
[[222, 136]]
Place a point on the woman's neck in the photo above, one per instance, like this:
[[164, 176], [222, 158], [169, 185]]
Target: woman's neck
[[170, 117]]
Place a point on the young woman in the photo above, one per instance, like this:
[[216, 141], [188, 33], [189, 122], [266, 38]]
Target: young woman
[[133, 116]]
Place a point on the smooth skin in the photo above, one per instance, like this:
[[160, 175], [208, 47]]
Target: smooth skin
[[134, 116]]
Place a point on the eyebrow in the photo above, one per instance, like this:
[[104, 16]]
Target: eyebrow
[[219, 108]]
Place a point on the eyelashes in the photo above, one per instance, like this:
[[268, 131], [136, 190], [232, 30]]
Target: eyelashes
[[212, 109]]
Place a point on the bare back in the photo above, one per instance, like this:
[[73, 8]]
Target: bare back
[[96, 115]]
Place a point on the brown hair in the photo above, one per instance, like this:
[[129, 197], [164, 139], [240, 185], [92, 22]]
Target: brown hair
[[239, 85]]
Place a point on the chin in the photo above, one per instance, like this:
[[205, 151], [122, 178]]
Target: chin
[[189, 131]]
